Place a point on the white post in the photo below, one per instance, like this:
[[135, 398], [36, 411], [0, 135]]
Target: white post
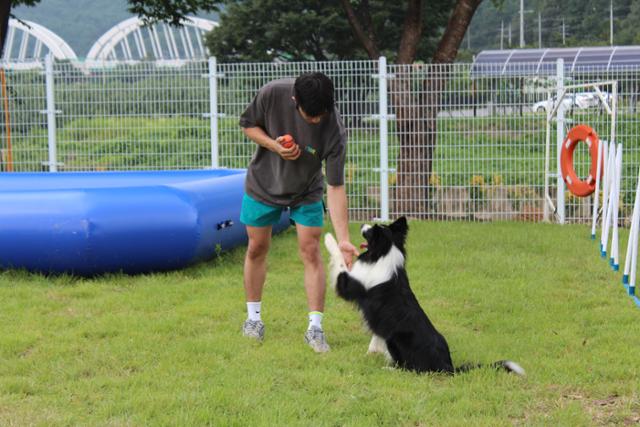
[[605, 228], [611, 22], [384, 142], [607, 213], [594, 220], [614, 110], [521, 23], [213, 106], [606, 150], [547, 156], [633, 231], [51, 113], [634, 260], [615, 264], [607, 158], [539, 30], [560, 139]]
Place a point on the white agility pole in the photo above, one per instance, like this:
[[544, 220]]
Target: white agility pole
[[599, 171], [613, 111], [604, 243], [606, 203], [614, 261], [634, 263], [632, 252], [605, 158], [633, 232]]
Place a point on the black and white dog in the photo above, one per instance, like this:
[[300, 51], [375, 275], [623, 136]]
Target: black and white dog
[[379, 285]]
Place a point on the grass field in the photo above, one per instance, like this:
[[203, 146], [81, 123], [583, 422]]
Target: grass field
[[166, 349]]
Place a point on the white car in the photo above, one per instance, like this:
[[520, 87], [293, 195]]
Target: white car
[[580, 100]]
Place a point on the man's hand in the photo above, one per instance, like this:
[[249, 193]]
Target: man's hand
[[348, 252], [291, 153]]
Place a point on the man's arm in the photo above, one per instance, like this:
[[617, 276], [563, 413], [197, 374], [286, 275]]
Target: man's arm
[[260, 137], [337, 198]]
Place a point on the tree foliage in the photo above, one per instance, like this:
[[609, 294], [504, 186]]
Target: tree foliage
[[171, 11], [264, 30]]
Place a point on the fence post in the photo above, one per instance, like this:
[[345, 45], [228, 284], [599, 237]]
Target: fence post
[[51, 113], [213, 110], [384, 142], [560, 139]]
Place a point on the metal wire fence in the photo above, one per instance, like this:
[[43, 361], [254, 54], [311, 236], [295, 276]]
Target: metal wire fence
[[428, 141], [357, 99]]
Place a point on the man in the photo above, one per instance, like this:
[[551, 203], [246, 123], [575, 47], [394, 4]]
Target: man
[[280, 178]]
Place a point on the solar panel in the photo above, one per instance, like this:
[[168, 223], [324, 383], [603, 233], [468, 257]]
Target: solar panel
[[625, 57], [543, 61]]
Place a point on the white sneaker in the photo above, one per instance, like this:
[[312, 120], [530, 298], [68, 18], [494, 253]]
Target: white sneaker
[[316, 340], [253, 329]]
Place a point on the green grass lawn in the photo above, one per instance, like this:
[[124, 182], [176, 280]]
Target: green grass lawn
[[166, 349]]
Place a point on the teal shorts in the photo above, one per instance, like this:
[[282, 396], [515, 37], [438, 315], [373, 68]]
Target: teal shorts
[[258, 214]]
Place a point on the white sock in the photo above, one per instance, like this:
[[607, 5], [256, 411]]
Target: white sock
[[253, 310], [315, 319]]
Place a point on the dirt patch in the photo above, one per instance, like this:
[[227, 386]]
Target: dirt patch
[[609, 410]]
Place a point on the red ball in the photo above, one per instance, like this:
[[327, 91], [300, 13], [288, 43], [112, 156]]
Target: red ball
[[287, 141]]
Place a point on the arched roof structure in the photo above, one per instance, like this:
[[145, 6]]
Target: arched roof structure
[[132, 40], [27, 41]]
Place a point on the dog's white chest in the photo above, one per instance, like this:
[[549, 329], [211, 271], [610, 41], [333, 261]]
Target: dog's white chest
[[373, 274]]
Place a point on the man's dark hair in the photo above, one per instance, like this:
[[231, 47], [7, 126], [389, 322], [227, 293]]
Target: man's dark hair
[[314, 93]]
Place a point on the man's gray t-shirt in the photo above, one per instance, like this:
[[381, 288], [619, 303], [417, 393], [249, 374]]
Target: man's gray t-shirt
[[278, 182]]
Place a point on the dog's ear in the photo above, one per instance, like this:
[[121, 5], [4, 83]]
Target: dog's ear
[[400, 226], [399, 229]]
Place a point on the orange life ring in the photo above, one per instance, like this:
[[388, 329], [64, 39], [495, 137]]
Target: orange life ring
[[580, 133]]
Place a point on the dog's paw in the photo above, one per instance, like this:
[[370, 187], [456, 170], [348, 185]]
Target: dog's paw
[[331, 244], [336, 261], [377, 345]]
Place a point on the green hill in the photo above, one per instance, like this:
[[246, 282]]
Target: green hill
[[583, 23]]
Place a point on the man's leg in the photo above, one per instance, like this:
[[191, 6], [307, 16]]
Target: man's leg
[[255, 274], [314, 283], [314, 275], [255, 262]]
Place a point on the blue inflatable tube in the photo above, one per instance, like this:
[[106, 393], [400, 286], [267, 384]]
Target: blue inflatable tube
[[90, 223]]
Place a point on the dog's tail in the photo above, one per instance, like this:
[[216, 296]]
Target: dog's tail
[[507, 365]]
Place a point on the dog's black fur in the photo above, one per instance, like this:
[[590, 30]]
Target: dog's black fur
[[392, 311]]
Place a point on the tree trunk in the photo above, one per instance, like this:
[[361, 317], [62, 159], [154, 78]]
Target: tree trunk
[[366, 36], [416, 100], [456, 28], [417, 104], [5, 13]]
